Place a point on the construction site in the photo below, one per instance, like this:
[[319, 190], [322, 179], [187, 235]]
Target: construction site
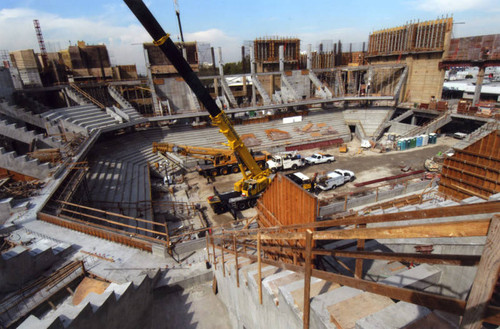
[[318, 189]]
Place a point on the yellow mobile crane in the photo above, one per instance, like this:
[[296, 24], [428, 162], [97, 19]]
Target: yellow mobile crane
[[217, 161], [247, 189]]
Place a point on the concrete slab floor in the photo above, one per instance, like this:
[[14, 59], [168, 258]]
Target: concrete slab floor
[[196, 307]]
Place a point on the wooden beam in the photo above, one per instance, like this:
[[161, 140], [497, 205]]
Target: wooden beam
[[432, 301], [485, 281], [487, 157], [307, 280], [434, 230], [445, 259]]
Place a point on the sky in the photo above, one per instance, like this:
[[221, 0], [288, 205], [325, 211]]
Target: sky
[[228, 23]]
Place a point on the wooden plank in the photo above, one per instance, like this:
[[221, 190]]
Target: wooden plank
[[307, 280], [486, 279]]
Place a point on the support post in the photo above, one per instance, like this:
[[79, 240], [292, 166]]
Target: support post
[[358, 271], [208, 246], [213, 246], [282, 59], [223, 266], [307, 280], [236, 262], [486, 279], [309, 57], [259, 265], [252, 73]]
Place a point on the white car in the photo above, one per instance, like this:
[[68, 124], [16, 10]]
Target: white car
[[318, 158], [334, 179]]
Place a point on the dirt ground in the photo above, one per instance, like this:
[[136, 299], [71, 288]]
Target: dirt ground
[[367, 165]]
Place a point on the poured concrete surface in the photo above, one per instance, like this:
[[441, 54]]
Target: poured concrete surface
[[196, 307]]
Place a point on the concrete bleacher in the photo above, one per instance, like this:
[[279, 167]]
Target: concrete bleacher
[[23, 164], [111, 309], [283, 301], [87, 117], [23, 263], [336, 306]]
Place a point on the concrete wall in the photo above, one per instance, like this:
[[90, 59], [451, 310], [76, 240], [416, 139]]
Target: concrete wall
[[6, 85], [336, 207]]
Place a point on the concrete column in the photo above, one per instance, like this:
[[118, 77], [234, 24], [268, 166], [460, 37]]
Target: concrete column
[[221, 69], [479, 84], [309, 57], [282, 59], [184, 54], [252, 72], [413, 120]]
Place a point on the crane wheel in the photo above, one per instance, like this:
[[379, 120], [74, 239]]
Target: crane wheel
[[242, 206], [235, 169], [252, 203], [294, 167], [224, 171], [214, 172]]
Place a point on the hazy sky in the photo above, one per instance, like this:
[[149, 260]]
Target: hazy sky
[[227, 23]]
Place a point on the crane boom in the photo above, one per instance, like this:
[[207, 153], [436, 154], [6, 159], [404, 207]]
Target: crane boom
[[249, 185]]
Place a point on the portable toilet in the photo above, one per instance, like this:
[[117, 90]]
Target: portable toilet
[[399, 144], [432, 138], [413, 142], [419, 141], [408, 143], [425, 140], [402, 145]]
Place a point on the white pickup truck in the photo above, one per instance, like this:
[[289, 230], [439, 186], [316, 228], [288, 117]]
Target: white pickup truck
[[333, 179], [285, 160], [318, 158]]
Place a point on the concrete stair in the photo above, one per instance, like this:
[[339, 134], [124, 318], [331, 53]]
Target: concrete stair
[[22, 114], [111, 309], [321, 91], [370, 119], [76, 97], [263, 93], [228, 93], [22, 134], [24, 263], [288, 90], [23, 164], [283, 298]]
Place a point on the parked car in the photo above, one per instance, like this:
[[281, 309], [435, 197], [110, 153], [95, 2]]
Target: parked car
[[318, 158], [333, 179]]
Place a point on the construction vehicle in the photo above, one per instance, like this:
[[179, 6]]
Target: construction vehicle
[[333, 179], [246, 190], [285, 160], [216, 161]]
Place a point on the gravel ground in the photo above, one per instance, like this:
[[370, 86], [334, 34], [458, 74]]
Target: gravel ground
[[367, 165]]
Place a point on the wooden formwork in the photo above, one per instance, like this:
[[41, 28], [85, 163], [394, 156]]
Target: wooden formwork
[[286, 203], [473, 171]]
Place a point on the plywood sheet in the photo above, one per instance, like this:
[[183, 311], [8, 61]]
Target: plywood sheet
[[345, 314], [87, 286], [317, 288]]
